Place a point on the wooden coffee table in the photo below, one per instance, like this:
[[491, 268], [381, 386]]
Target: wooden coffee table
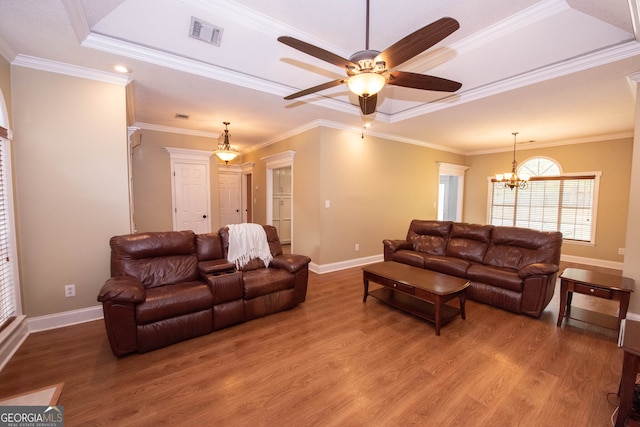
[[415, 290]]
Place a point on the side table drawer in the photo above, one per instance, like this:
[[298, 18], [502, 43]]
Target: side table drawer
[[590, 290], [403, 288]]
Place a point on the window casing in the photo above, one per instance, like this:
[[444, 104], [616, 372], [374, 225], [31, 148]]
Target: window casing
[[566, 203], [9, 295]]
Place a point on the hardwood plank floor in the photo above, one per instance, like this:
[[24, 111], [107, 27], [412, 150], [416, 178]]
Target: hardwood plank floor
[[336, 361]]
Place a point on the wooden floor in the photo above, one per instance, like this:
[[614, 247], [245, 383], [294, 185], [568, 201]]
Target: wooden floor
[[336, 361]]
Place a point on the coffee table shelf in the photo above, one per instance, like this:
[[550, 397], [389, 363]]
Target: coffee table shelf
[[422, 309]]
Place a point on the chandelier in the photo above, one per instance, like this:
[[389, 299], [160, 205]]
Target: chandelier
[[511, 179], [224, 151]]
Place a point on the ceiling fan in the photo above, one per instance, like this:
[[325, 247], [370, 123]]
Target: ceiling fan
[[369, 70]]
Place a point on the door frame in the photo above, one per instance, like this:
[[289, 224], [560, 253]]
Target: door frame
[[277, 161], [247, 191], [195, 157], [451, 169]]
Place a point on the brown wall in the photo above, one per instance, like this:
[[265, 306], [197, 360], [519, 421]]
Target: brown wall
[[611, 157], [151, 168], [71, 193]]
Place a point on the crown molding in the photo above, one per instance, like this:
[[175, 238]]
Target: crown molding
[[595, 59], [558, 143], [181, 131], [69, 70]]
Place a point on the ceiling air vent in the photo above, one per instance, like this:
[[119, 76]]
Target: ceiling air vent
[[205, 31]]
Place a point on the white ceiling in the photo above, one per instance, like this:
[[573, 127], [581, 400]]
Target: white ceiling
[[555, 71]]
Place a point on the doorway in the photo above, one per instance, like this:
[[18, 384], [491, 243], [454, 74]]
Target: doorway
[[280, 195], [450, 191]]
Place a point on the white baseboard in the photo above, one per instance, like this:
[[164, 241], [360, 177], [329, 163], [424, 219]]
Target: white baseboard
[[12, 338], [592, 261], [341, 265], [66, 318]]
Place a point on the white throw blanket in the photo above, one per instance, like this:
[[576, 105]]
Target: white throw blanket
[[248, 241]]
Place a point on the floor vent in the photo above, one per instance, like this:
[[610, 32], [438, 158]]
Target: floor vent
[[205, 31]]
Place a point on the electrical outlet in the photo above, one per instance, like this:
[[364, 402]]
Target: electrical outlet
[[620, 251], [70, 291], [357, 247]]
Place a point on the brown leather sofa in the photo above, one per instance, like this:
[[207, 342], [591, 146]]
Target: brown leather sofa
[[509, 267], [171, 286]]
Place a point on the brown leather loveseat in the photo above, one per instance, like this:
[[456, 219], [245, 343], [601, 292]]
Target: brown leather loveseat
[[511, 268], [171, 286]]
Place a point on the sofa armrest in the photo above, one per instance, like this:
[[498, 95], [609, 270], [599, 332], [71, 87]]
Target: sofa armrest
[[538, 268], [396, 245], [290, 262], [122, 289]]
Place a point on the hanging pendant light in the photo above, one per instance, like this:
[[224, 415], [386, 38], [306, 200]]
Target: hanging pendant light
[[224, 151], [512, 179]]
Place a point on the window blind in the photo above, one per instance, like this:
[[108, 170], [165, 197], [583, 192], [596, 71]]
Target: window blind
[[7, 285], [560, 203]]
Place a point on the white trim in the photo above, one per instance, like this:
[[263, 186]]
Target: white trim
[[66, 318], [592, 261], [70, 70], [12, 338], [179, 131], [276, 161], [450, 169], [341, 265], [195, 157]]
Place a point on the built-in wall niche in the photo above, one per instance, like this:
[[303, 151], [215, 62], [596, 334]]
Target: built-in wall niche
[[281, 203], [280, 194]]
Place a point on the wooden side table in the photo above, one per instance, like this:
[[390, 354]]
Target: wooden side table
[[601, 285], [630, 343]]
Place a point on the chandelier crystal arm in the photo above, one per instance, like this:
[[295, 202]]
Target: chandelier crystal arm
[[512, 179]]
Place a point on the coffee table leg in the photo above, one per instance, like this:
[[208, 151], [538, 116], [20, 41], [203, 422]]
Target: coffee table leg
[[438, 318], [366, 287], [463, 299]]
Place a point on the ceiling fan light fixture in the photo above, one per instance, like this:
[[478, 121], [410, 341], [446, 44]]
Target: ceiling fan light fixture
[[366, 84]]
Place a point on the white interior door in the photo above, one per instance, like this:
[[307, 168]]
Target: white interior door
[[190, 189], [230, 198], [192, 210]]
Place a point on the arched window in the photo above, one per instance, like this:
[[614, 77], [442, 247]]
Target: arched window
[[540, 166], [552, 201]]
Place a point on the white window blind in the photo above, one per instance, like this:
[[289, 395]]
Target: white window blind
[[8, 298], [559, 203]]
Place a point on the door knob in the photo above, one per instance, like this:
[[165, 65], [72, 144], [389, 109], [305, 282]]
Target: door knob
[[204, 216], [237, 210]]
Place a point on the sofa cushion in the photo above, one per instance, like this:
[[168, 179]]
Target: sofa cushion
[[447, 265], [505, 278], [163, 302], [469, 241], [409, 257], [155, 258], [209, 247], [429, 236], [515, 247], [265, 281]]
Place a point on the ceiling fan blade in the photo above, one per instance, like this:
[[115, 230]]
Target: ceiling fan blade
[[418, 41], [368, 103], [316, 52], [314, 89], [422, 81]]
